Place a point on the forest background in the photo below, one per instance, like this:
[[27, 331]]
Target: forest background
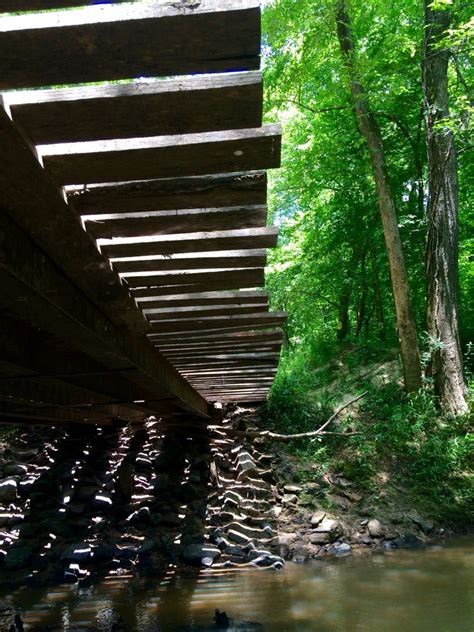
[[331, 271]]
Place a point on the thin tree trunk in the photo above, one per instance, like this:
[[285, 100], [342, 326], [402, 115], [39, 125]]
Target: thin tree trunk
[[370, 130], [378, 295], [362, 300], [442, 240]]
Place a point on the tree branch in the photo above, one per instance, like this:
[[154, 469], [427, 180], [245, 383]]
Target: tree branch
[[274, 436]]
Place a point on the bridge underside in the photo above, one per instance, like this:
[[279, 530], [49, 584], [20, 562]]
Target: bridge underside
[[133, 218]]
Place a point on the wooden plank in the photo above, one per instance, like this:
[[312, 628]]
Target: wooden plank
[[247, 277], [174, 222], [11, 6], [225, 310], [35, 203], [36, 291], [194, 261], [210, 191], [244, 337], [215, 322], [191, 242], [173, 357], [163, 156], [143, 108], [204, 331], [109, 42], [240, 297]]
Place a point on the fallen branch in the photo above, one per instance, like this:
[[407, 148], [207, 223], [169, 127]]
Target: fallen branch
[[274, 436]]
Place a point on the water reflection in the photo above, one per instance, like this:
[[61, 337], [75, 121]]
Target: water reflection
[[423, 591]]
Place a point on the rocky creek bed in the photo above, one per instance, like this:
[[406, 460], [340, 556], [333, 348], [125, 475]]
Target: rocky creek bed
[[82, 503]]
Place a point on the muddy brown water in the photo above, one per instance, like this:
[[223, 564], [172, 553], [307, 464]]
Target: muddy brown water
[[403, 591]]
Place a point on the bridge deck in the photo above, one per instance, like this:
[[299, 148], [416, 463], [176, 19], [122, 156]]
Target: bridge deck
[[134, 223]]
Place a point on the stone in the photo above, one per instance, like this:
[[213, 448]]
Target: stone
[[327, 531], [104, 552], [317, 518], [15, 469], [408, 541], [102, 501], [171, 519], [276, 511], [375, 528], [341, 549], [79, 552], [18, 557], [10, 519], [8, 490], [425, 525], [292, 489], [289, 499], [201, 554]]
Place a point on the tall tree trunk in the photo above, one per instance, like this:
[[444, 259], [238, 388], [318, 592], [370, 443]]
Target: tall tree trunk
[[378, 296], [370, 130], [442, 241]]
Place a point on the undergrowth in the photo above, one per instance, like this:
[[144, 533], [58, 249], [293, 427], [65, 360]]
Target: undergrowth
[[428, 456]]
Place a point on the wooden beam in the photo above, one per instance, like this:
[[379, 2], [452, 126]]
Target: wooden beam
[[35, 203], [158, 337], [210, 191], [104, 43], [194, 261], [163, 156], [244, 337], [11, 6], [225, 310], [191, 242], [241, 297], [247, 277], [143, 108], [215, 322], [174, 222], [36, 291]]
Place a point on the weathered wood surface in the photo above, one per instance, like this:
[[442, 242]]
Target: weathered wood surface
[[246, 277], [208, 330], [109, 42], [163, 156], [241, 297], [229, 339], [130, 110], [238, 189], [226, 310], [35, 290], [175, 222], [217, 322], [195, 261], [35, 203], [191, 242], [10, 6]]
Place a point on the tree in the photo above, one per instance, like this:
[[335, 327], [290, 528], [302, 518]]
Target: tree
[[442, 240], [370, 130]]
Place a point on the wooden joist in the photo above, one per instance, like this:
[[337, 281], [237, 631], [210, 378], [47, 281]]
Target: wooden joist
[[247, 277], [194, 261], [191, 242], [175, 222], [157, 338], [210, 191], [36, 291], [141, 108], [240, 338], [109, 42], [217, 322], [159, 315], [10, 6], [242, 297], [163, 156]]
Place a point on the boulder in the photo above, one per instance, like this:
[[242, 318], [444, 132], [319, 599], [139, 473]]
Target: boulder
[[317, 518], [8, 490], [15, 469], [79, 552], [201, 554], [327, 531], [18, 557], [340, 549], [289, 499], [375, 528], [408, 541]]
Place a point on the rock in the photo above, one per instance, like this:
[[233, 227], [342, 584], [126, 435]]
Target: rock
[[160, 483], [141, 516], [147, 547], [340, 549], [15, 469], [300, 554], [292, 489], [375, 528], [317, 518], [18, 557], [102, 501], [171, 519], [276, 511], [79, 552], [104, 552], [408, 541], [10, 519], [425, 525], [200, 554], [329, 530], [289, 499], [8, 490], [85, 492]]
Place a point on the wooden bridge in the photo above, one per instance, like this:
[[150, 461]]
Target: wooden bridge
[[133, 218]]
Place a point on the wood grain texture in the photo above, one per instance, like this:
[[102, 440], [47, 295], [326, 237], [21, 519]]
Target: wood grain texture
[[163, 156], [158, 315], [241, 297], [252, 277], [210, 191], [196, 261], [130, 110], [217, 322], [192, 242], [110, 42], [174, 222]]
